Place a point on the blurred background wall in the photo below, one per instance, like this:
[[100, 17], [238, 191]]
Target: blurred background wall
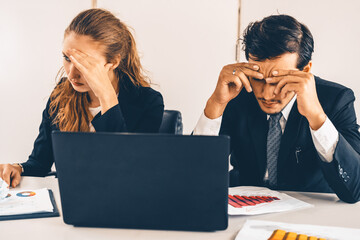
[[183, 45]]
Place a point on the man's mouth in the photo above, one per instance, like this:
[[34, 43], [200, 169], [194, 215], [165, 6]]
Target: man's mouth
[[269, 103]]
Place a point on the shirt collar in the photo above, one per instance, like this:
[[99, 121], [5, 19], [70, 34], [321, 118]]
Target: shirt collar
[[286, 110]]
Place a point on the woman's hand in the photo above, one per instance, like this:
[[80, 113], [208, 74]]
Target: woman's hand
[[96, 75], [11, 173]]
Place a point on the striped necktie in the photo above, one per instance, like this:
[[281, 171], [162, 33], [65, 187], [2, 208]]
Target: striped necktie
[[273, 147]]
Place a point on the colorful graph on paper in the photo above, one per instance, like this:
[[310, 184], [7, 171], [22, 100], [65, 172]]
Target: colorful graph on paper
[[270, 230], [279, 234], [248, 200], [238, 201]]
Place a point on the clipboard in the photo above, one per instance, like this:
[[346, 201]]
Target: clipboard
[[54, 213]]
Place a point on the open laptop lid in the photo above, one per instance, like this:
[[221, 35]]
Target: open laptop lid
[[147, 181]]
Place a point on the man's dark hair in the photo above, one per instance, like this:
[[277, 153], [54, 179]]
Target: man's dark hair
[[276, 35]]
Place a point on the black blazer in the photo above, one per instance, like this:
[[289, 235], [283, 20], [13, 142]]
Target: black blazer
[[299, 165], [140, 110]]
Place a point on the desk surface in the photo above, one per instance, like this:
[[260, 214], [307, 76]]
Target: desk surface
[[328, 211]]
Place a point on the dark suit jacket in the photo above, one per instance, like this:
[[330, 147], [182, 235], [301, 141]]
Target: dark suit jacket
[[299, 165], [140, 109]]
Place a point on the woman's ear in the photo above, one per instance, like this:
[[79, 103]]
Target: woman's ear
[[307, 68], [115, 62]]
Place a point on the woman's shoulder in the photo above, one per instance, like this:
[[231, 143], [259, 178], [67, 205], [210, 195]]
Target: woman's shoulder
[[148, 96], [140, 94], [149, 92]]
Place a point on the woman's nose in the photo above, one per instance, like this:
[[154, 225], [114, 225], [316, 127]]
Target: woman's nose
[[73, 73]]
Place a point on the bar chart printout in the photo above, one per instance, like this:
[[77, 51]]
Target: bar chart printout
[[283, 235], [247, 200], [261, 230]]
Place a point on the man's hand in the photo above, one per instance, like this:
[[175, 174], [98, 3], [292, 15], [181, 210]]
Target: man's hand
[[303, 84], [10, 174], [232, 79]]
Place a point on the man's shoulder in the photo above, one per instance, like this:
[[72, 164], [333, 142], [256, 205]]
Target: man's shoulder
[[330, 92], [326, 85]]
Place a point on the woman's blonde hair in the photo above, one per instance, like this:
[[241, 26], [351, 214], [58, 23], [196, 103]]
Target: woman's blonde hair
[[69, 108]]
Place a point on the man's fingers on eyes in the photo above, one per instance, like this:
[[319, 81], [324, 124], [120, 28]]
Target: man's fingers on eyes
[[275, 79], [251, 66], [284, 72], [291, 87], [252, 73], [245, 81], [248, 66], [247, 72], [282, 78], [282, 83]]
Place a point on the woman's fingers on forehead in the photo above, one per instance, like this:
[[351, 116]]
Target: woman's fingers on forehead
[[66, 52], [74, 51]]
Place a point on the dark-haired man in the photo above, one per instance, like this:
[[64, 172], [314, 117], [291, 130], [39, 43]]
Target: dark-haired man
[[289, 129]]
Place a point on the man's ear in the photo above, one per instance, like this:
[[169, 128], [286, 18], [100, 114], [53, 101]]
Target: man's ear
[[307, 68]]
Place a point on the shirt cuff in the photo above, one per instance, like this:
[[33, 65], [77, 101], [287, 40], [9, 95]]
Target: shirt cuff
[[325, 140], [207, 126]]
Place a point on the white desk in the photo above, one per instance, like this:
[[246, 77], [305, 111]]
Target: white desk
[[328, 210]]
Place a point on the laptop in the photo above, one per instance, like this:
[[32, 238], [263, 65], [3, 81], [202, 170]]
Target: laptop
[[143, 181]]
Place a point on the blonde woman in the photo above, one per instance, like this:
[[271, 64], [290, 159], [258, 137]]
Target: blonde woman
[[103, 90]]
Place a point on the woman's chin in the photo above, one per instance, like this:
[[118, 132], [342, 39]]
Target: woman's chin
[[81, 89]]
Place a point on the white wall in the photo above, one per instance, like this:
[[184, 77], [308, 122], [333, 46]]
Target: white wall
[[31, 34], [184, 44]]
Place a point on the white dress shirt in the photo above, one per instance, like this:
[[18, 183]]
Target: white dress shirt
[[94, 111], [325, 138]]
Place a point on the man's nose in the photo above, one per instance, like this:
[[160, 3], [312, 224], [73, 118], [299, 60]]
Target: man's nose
[[268, 91]]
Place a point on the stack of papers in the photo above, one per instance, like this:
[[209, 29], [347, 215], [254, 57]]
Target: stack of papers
[[4, 189], [260, 230], [279, 202], [26, 202]]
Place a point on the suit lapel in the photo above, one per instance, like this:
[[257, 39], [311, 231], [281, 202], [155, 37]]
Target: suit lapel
[[288, 140], [128, 100], [258, 128]]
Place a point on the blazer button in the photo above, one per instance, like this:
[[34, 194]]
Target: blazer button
[[345, 177]]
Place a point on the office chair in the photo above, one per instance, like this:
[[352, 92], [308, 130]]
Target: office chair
[[171, 122]]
